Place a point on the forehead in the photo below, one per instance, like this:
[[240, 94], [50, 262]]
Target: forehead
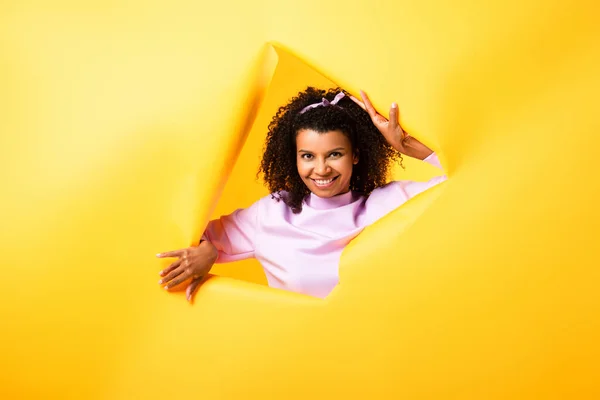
[[314, 141]]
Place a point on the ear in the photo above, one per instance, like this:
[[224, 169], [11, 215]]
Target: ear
[[355, 157]]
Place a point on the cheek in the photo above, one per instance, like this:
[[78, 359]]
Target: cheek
[[302, 168], [344, 166]]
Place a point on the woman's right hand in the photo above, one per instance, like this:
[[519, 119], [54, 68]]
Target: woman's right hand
[[391, 129], [193, 262]]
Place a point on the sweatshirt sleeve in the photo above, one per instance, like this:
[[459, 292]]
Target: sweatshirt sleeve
[[391, 196], [414, 188], [234, 235]]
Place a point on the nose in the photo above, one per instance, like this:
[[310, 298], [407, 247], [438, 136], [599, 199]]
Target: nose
[[321, 167]]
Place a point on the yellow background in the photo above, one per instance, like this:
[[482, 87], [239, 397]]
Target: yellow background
[[121, 123]]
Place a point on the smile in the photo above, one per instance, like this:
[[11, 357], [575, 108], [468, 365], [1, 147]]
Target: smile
[[323, 183]]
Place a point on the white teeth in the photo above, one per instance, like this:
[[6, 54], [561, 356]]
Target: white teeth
[[323, 182]]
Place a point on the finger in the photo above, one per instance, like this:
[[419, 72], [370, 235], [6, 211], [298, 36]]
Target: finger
[[170, 268], [171, 275], [394, 115], [180, 278], [191, 289], [173, 253], [360, 103], [370, 109]]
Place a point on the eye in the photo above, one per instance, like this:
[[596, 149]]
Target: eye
[[335, 154], [306, 156]]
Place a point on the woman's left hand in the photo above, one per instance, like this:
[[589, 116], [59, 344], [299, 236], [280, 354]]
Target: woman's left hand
[[392, 130], [194, 262]]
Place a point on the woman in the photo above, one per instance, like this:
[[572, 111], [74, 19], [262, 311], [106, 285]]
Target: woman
[[326, 160]]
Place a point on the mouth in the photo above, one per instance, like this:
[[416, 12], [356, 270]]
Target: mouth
[[324, 183]]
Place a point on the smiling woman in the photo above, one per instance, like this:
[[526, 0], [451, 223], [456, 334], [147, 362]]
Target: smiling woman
[[326, 163]]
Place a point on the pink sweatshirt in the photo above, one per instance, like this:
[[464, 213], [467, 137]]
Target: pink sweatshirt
[[301, 252]]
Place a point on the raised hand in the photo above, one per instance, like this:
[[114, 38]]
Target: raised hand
[[193, 262], [391, 129]]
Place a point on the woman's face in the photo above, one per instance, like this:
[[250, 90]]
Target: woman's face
[[325, 161]]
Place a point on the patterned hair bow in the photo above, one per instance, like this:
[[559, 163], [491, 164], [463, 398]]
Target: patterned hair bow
[[324, 103]]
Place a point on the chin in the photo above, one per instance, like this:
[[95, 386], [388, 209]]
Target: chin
[[324, 193]]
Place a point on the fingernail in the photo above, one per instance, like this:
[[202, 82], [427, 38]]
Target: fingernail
[[160, 282], [157, 254], [394, 105], [167, 287]]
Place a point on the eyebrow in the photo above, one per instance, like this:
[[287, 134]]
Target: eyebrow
[[330, 151]]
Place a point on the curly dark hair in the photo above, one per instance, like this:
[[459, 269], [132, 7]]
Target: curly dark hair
[[278, 164]]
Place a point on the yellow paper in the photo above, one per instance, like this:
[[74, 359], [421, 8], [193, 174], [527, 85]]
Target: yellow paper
[[125, 127]]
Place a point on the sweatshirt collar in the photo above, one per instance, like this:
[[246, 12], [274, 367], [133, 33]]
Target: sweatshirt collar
[[320, 203]]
